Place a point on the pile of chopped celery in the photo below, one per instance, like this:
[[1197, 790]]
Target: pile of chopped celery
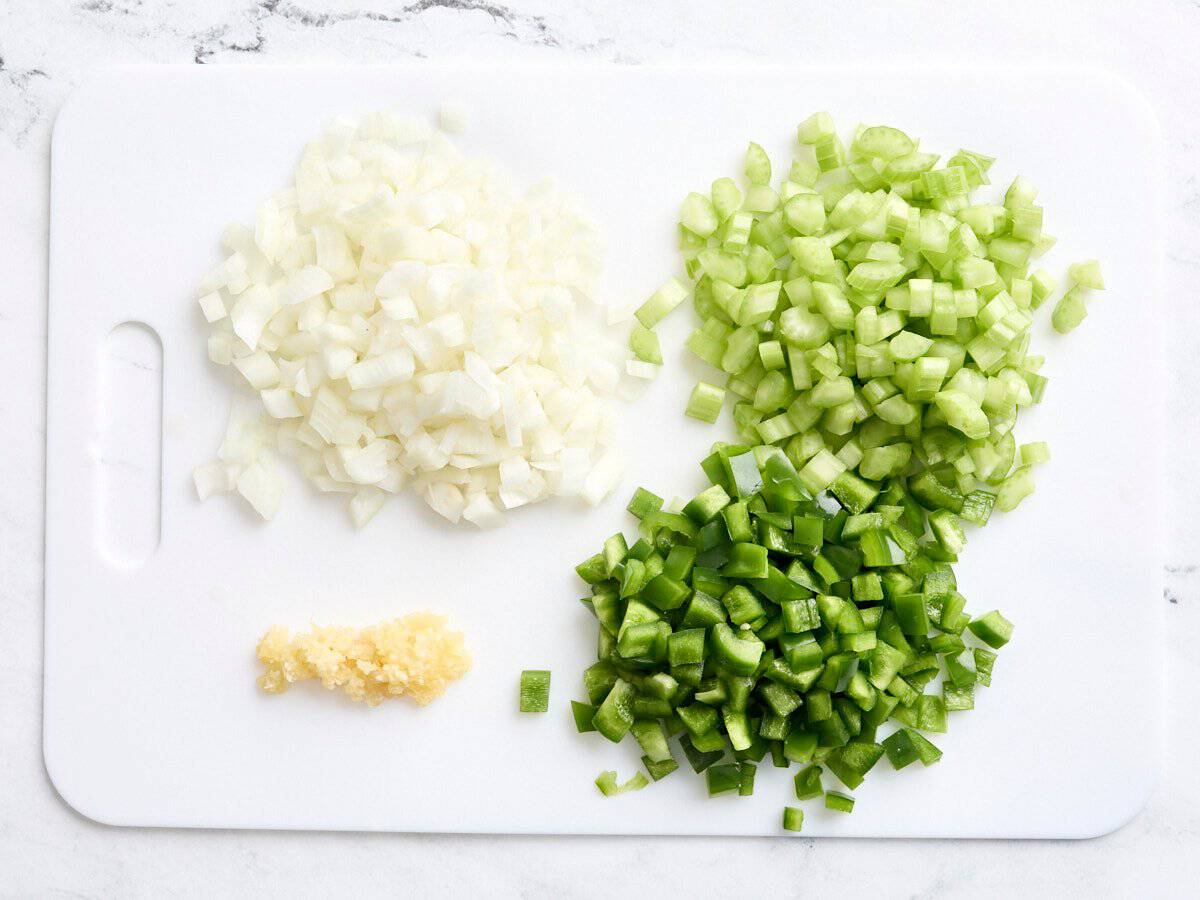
[[870, 315], [871, 319]]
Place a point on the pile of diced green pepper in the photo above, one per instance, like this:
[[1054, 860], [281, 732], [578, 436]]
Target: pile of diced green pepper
[[760, 620]]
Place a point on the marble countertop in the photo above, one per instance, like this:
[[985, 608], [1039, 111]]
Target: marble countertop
[[47, 46]]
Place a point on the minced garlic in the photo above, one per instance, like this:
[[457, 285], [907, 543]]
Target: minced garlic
[[416, 656]]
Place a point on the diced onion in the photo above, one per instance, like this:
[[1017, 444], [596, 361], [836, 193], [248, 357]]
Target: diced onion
[[639, 369], [213, 307], [409, 319], [261, 488], [453, 117], [214, 478]]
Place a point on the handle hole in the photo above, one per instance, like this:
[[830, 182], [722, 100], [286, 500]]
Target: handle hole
[[130, 452]]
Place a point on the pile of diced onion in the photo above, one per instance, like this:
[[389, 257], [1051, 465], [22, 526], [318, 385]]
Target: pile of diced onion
[[406, 318]]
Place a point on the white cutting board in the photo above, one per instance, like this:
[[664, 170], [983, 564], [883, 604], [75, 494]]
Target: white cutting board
[[152, 716]]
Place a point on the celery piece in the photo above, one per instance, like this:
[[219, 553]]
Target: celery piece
[[698, 215], [705, 402], [1033, 453], [726, 198], [757, 165], [661, 302], [1086, 274], [805, 214], [645, 346], [815, 127], [882, 142]]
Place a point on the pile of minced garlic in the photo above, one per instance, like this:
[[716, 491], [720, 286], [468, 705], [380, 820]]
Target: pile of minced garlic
[[416, 656]]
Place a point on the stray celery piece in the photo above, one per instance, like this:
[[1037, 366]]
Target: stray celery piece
[[1086, 274], [793, 818], [1069, 312], [1034, 453], [1015, 488], [705, 402], [758, 165], [661, 302], [535, 690], [699, 215], [645, 346]]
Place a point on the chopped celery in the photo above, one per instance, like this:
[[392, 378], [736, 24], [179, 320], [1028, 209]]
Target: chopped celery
[[661, 302], [1086, 274], [644, 344], [1033, 453], [705, 402], [758, 165], [1069, 311], [698, 215], [816, 127], [726, 198]]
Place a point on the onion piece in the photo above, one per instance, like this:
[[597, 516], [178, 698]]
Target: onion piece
[[262, 489]]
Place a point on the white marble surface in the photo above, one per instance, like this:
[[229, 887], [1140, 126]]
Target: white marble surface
[[47, 46]]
